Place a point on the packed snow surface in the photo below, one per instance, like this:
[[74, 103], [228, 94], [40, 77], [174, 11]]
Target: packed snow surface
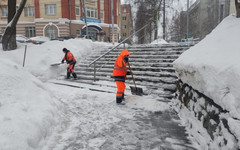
[[28, 111], [36, 114]]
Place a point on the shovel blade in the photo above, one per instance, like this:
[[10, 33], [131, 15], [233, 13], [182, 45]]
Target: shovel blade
[[136, 90], [56, 64]]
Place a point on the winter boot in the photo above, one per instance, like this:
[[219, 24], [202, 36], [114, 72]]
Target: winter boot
[[119, 101], [74, 75], [68, 75], [123, 97]]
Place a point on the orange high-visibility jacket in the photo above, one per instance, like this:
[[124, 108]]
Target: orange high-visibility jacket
[[120, 67], [69, 57]]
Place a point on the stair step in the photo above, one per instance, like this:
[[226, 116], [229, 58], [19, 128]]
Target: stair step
[[151, 65], [133, 65], [134, 69]]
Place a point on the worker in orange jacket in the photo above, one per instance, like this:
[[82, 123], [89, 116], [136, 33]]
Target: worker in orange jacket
[[119, 74], [71, 61]]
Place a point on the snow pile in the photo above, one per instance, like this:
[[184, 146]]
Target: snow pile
[[28, 111], [159, 41], [40, 57], [212, 66]]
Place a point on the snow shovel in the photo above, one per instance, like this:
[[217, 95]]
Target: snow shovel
[[135, 90], [56, 64]]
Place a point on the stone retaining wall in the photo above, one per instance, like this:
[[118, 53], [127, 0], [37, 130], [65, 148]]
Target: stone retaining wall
[[213, 118]]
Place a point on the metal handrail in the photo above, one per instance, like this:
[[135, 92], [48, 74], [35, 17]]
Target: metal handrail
[[94, 61], [116, 46]]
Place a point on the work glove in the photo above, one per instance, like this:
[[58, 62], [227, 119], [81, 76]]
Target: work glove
[[62, 61]]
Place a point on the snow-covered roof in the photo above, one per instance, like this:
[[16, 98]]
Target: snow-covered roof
[[92, 25]]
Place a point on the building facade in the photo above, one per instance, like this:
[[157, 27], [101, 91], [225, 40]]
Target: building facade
[[204, 16], [54, 18], [126, 22]]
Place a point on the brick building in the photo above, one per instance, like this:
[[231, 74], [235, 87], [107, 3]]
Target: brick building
[[126, 22], [53, 18]]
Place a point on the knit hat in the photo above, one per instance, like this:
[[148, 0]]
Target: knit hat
[[64, 49]]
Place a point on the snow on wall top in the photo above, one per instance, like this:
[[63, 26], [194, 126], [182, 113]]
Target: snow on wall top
[[212, 66]]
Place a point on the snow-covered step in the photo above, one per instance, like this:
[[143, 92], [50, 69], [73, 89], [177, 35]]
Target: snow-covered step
[[141, 60], [133, 65], [151, 65], [134, 68]]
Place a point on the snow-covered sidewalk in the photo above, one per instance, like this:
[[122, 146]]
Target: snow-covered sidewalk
[[92, 120]]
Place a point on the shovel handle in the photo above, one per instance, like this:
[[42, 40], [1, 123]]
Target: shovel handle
[[131, 74]]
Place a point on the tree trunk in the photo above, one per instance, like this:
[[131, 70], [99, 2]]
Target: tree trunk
[[9, 37], [237, 8], [11, 12]]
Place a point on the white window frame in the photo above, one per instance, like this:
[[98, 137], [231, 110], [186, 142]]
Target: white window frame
[[124, 9], [29, 11], [102, 14], [50, 9], [4, 12], [77, 10], [92, 12]]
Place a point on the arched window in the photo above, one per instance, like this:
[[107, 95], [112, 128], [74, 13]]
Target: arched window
[[51, 32]]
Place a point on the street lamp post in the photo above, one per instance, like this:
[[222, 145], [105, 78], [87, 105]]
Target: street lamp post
[[187, 19], [85, 19], [164, 20]]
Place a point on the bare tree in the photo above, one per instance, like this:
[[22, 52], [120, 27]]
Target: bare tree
[[147, 10], [9, 37], [237, 4]]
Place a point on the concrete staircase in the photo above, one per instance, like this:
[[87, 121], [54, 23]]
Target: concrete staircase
[[151, 65]]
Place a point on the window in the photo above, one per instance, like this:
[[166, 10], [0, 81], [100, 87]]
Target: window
[[124, 26], [221, 17], [92, 13], [51, 32], [124, 9], [78, 32], [124, 34], [102, 1], [4, 12], [3, 29], [124, 18], [50, 9], [102, 14], [30, 31], [29, 11], [78, 11]]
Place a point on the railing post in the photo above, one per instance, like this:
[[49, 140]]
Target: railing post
[[94, 72]]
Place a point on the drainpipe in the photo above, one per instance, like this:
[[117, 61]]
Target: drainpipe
[[85, 19], [112, 22], [70, 17]]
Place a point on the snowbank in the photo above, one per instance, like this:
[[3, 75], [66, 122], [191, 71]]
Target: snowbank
[[159, 41], [212, 66], [28, 111]]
